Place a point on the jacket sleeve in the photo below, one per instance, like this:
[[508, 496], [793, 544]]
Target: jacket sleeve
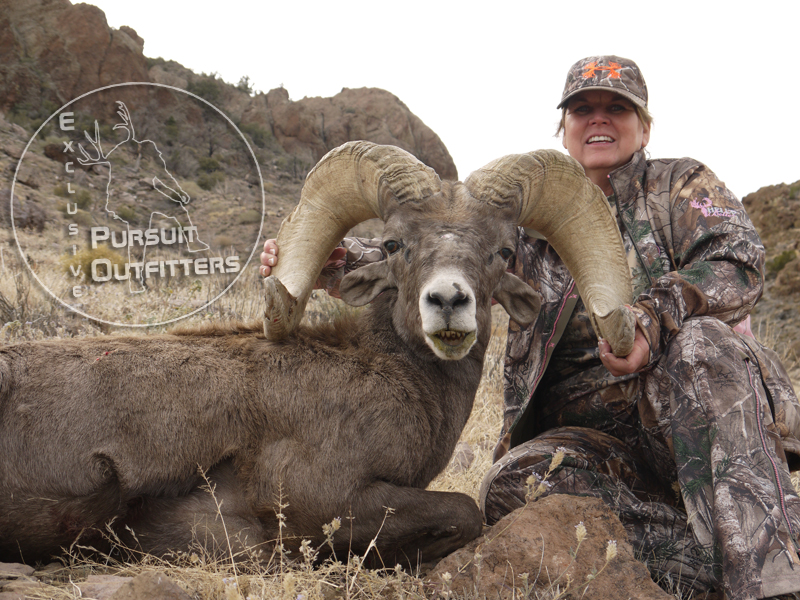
[[360, 252], [716, 257]]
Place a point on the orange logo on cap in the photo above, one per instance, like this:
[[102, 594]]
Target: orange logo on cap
[[589, 70]]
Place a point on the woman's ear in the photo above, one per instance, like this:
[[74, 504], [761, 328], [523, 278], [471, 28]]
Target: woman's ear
[[646, 136]]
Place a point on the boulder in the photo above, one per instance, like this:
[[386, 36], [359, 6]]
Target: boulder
[[535, 550]]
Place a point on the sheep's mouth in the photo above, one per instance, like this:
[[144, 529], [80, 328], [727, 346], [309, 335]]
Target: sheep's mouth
[[452, 342]]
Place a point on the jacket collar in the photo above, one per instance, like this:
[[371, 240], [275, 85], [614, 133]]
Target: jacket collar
[[628, 179]]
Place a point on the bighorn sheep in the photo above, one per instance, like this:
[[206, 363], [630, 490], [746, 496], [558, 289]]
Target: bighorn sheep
[[343, 421]]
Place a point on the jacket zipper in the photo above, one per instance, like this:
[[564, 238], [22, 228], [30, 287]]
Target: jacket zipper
[[765, 448]]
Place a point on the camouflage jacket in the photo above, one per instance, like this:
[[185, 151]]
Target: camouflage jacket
[[692, 251]]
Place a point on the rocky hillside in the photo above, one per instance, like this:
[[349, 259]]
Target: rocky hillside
[[52, 51], [775, 210]]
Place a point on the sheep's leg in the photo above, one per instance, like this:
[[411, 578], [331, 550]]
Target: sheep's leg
[[218, 522], [409, 525]]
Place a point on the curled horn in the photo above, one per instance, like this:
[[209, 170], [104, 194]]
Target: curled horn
[[352, 183], [557, 199]]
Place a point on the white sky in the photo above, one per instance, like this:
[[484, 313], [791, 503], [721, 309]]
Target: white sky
[[723, 77]]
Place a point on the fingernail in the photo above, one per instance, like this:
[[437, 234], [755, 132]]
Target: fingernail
[[271, 261]]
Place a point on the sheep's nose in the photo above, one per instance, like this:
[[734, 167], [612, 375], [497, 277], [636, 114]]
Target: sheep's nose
[[447, 302]]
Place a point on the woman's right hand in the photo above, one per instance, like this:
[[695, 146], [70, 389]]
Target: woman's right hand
[[269, 257]]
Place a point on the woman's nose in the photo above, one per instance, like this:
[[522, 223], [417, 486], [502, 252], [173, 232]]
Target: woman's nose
[[599, 116]]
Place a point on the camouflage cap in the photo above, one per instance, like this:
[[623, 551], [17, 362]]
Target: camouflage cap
[[619, 75]]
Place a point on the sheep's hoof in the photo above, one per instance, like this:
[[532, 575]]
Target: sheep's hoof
[[280, 312]]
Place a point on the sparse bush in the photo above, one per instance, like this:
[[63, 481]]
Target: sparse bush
[[248, 216], [79, 196], [31, 117], [82, 218], [171, 128], [209, 164], [207, 87], [244, 85], [152, 62], [224, 241], [79, 265], [260, 136], [191, 188], [128, 213], [777, 263], [208, 181]]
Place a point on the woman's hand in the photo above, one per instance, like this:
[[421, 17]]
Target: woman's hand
[[624, 365], [744, 328], [269, 257]]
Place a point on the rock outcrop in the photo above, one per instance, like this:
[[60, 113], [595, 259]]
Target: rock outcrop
[[52, 51], [310, 127]]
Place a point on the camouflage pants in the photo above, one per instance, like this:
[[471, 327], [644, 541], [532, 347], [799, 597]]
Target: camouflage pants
[[704, 493]]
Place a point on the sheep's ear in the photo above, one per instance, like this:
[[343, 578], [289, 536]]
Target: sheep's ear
[[363, 285], [521, 302]]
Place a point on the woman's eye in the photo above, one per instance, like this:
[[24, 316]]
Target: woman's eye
[[391, 246], [506, 253]]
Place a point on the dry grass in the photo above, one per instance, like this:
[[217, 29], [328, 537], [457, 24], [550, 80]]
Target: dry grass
[[28, 313]]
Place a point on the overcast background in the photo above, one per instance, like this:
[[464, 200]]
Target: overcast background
[[723, 81]]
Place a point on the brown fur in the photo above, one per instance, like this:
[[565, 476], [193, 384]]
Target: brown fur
[[114, 430], [342, 421]]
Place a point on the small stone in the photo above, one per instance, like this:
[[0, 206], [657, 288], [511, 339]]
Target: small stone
[[148, 586], [20, 590], [101, 587], [15, 570]]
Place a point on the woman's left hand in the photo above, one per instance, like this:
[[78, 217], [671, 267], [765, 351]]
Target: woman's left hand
[[624, 365]]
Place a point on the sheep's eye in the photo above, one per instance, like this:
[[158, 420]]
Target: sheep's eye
[[391, 246], [506, 253]]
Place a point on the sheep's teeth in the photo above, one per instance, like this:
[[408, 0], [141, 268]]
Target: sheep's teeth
[[451, 337]]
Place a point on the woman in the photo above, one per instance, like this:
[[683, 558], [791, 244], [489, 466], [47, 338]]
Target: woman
[[697, 420]]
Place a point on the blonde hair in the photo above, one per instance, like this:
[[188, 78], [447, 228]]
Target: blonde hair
[[644, 117]]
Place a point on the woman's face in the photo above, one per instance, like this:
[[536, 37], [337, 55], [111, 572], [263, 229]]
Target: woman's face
[[602, 131]]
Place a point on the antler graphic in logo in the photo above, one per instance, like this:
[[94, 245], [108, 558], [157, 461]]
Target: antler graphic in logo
[[162, 182]]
